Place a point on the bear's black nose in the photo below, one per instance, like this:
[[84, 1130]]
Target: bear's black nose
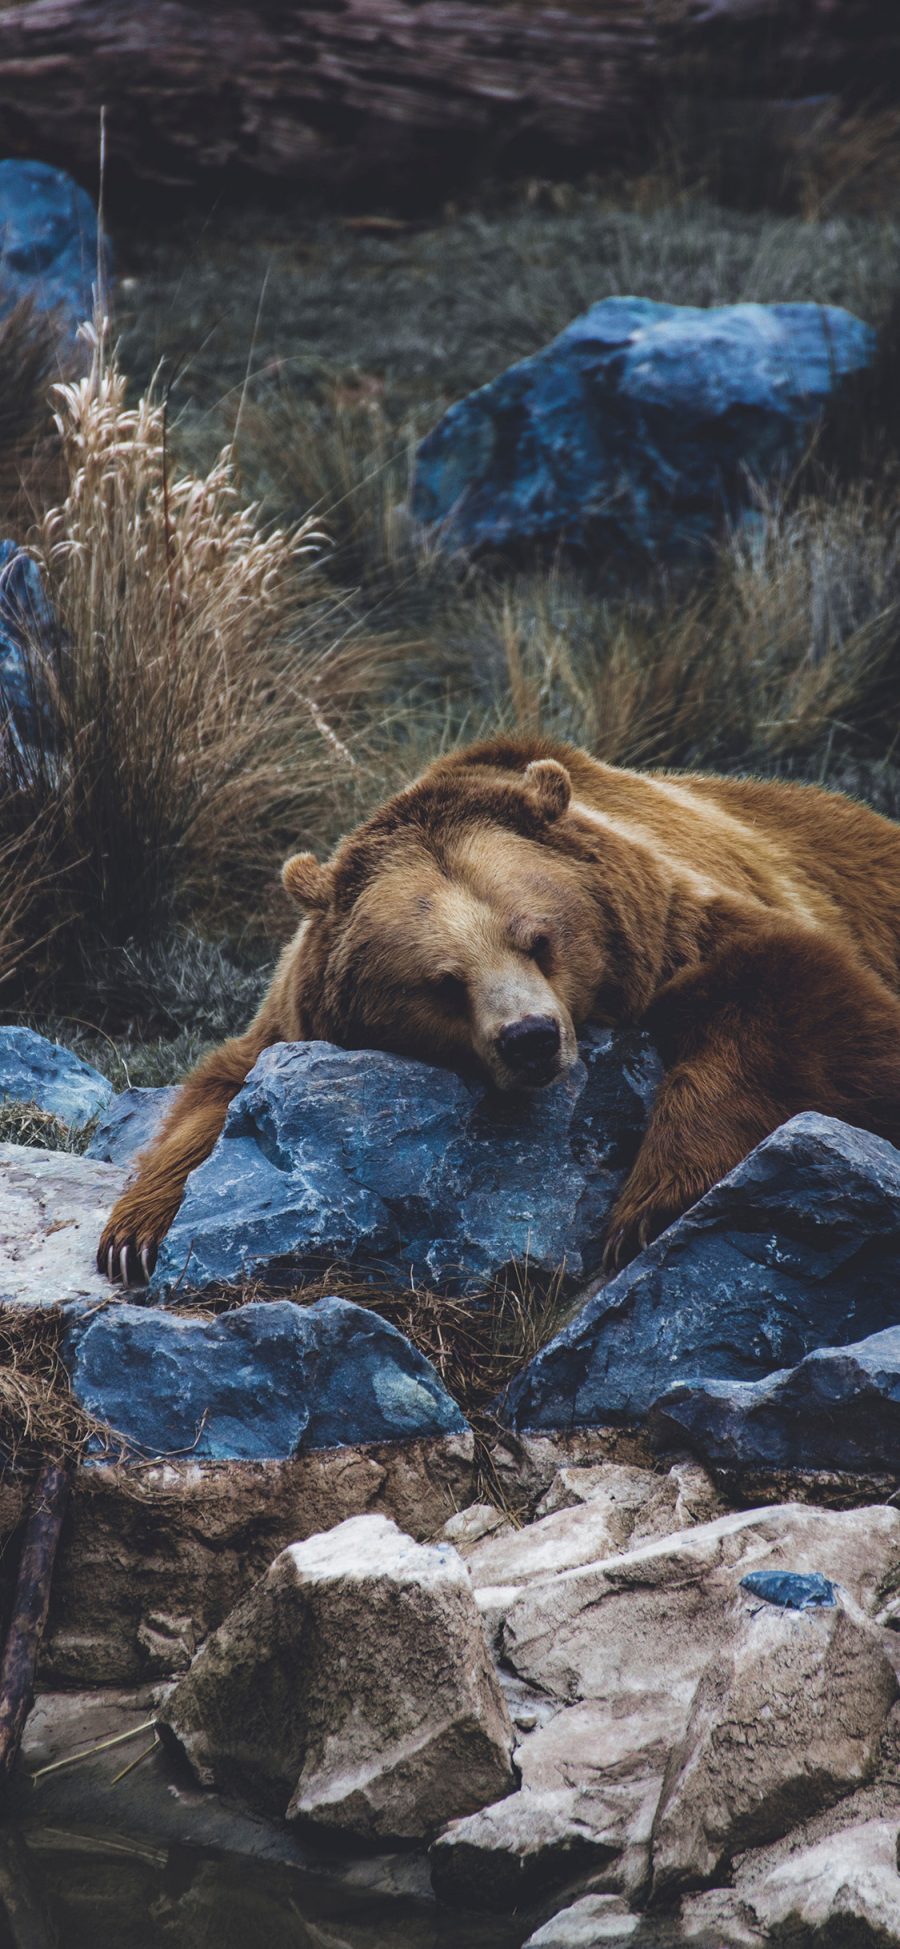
[[529, 1044]]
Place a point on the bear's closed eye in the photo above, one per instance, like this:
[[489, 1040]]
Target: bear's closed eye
[[451, 992]]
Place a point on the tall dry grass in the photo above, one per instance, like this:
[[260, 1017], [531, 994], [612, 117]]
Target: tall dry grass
[[196, 708], [785, 652], [30, 472]]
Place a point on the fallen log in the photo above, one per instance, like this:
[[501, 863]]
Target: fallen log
[[404, 94], [318, 91], [30, 1604]]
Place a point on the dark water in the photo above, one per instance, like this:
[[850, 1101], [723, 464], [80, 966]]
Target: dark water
[[79, 1889]]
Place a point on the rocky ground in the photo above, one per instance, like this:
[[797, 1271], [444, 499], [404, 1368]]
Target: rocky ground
[[646, 1693], [420, 1584]]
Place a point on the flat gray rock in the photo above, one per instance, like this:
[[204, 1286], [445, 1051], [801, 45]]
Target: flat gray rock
[[376, 1162], [33, 1070], [263, 1382], [130, 1121], [797, 1249], [53, 1207]]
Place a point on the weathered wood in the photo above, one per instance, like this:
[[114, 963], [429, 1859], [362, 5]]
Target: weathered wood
[[314, 91], [31, 1600], [408, 93]]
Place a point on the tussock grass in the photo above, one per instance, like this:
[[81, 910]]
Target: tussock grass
[[40, 1420], [195, 707], [26, 1123], [211, 731], [30, 462], [351, 466]]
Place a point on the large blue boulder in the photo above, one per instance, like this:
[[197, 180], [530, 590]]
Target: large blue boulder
[[797, 1249], [335, 1156], [28, 632], [839, 1408], [33, 1070], [262, 1382], [48, 244], [641, 428], [128, 1124]]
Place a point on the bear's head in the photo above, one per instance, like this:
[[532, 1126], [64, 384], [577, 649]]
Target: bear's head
[[458, 925]]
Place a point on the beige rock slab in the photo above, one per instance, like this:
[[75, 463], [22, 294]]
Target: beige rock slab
[[641, 1626], [351, 1688], [786, 1720], [588, 1514], [586, 1924], [641, 1502], [509, 1854], [589, 1746], [152, 1559], [466, 1527], [53, 1208], [846, 1889]]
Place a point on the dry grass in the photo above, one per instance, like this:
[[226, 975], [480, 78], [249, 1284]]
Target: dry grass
[[30, 463], [25, 1123], [785, 652], [849, 163], [39, 1418], [197, 703], [205, 732], [351, 466]]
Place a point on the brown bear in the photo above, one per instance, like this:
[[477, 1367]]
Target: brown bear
[[520, 889]]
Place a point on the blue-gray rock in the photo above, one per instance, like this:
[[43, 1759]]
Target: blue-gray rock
[[33, 1070], [265, 1381], [642, 427], [838, 1409], [48, 244], [373, 1161], [798, 1248], [791, 1590], [27, 621], [129, 1123]]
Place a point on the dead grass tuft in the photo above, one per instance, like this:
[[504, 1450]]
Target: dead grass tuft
[[30, 463], [25, 1123], [39, 1418], [786, 651], [199, 703]]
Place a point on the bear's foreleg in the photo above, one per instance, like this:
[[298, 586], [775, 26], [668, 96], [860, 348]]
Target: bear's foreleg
[[777, 1023], [142, 1215]]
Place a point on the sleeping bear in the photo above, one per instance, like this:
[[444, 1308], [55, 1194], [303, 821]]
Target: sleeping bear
[[520, 889]]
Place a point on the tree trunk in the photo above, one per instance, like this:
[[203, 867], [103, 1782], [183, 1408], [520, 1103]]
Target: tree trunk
[[402, 95], [31, 1600]]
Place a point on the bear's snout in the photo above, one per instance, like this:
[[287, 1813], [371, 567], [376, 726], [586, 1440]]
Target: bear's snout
[[530, 1047]]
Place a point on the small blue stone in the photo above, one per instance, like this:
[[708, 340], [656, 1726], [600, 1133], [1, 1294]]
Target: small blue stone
[[790, 1591]]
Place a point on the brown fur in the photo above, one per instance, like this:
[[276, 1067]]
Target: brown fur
[[753, 927]]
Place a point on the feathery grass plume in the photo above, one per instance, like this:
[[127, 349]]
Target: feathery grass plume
[[194, 710]]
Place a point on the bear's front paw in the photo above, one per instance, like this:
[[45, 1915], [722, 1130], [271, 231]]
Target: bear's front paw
[[130, 1241], [639, 1218]]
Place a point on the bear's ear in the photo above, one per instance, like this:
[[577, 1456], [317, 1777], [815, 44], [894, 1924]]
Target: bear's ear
[[549, 786], [306, 881]]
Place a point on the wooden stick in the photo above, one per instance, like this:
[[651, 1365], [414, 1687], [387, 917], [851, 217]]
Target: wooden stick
[[30, 1605]]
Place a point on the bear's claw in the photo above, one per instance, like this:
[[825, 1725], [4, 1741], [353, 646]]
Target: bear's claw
[[125, 1263]]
